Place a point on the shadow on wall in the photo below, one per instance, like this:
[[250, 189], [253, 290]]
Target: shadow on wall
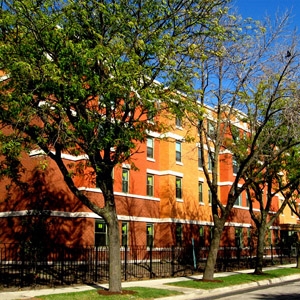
[[43, 193]]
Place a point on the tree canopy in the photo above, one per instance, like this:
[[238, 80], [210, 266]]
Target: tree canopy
[[84, 77]]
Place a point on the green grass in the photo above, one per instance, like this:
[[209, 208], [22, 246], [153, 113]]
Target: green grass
[[141, 293], [237, 279], [151, 293]]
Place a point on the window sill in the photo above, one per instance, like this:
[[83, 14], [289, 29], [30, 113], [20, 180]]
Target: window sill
[[179, 163], [179, 200], [150, 159]]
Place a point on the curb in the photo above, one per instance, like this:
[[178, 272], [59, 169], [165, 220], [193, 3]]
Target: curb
[[200, 293]]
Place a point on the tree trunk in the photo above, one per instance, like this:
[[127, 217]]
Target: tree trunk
[[213, 252], [260, 249], [115, 277]]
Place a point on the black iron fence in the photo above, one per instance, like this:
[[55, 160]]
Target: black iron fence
[[65, 265]]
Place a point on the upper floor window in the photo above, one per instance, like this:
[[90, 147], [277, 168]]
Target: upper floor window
[[210, 163], [150, 185], [235, 165], [178, 122], [235, 132], [200, 192], [150, 147], [150, 115], [125, 180], [247, 200], [200, 165], [178, 188], [238, 201], [211, 129], [178, 151], [209, 196]]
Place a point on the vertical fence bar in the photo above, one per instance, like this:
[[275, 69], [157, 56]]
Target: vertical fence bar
[[62, 266], [125, 262], [151, 248], [96, 265]]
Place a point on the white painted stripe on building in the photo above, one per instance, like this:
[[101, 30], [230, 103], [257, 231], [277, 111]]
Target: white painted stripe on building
[[97, 190], [63, 155], [163, 173], [4, 77], [91, 215]]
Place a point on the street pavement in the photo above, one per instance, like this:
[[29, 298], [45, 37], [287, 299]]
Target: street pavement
[[188, 293]]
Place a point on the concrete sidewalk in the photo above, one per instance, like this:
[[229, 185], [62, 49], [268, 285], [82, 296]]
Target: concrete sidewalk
[[188, 293]]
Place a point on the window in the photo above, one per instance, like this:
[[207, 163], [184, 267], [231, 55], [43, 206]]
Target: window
[[211, 233], [211, 129], [235, 165], [201, 236], [269, 238], [150, 234], [100, 233], [125, 180], [249, 238], [239, 237], [178, 234], [178, 188], [235, 131], [247, 200], [238, 201], [150, 185], [200, 158], [150, 148], [178, 151], [178, 122], [210, 163], [200, 192], [150, 115], [209, 196], [124, 239]]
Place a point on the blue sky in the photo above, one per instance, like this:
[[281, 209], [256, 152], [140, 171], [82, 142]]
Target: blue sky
[[257, 9]]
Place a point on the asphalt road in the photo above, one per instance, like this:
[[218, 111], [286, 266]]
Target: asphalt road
[[283, 291]]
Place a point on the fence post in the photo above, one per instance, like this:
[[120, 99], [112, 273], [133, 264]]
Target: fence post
[[151, 247], [125, 262], [23, 266]]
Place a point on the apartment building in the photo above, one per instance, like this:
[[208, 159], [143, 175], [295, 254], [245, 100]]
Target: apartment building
[[162, 198]]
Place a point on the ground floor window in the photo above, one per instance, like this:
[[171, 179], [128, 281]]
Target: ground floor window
[[124, 239], [178, 234], [201, 236], [150, 234], [239, 237], [100, 233]]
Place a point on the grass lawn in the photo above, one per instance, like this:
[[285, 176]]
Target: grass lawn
[[236, 279], [151, 293], [140, 293]]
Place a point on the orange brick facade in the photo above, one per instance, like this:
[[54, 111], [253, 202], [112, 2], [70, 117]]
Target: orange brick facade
[[167, 197]]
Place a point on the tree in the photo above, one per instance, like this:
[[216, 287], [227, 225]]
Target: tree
[[231, 74], [279, 176], [81, 77]]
